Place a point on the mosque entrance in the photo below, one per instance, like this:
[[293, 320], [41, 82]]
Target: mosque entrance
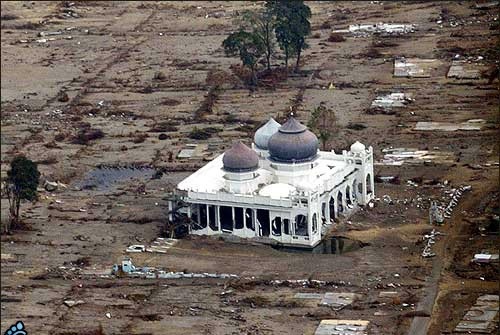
[[263, 219]]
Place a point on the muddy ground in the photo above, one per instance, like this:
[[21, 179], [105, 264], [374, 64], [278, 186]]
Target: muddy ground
[[101, 73]]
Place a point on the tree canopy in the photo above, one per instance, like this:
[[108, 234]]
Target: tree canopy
[[247, 46], [21, 184], [292, 26]]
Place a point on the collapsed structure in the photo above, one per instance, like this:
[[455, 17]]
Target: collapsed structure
[[282, 189]]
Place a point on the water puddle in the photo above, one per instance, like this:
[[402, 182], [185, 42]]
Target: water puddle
[[104, 177], [336, 245]]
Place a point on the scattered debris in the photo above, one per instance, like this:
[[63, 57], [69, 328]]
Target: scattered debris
[[72, 303], [342, 327], [461, 69], [435, 214], [414, 67], [389, 101], [487, 5], [136, 248], [456, 194], [413, 156], [151, 273], [481, 317], [362, 30], [8, 258], [160, 245], [336, 301], [431, 239], [473, 124], [50, 186], [485, 258]]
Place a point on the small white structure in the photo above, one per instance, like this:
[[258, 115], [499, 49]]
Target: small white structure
[[283, 188]]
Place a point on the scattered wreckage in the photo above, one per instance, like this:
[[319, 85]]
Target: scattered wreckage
[[129, 269]]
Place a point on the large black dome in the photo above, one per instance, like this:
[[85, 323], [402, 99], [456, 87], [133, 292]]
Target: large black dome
[[293, 143], [240, 158]]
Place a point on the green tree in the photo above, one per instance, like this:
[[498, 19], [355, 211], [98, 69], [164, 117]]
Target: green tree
[[248, 46], [292, 27], [323, 122], [21, 184], [261, 23]]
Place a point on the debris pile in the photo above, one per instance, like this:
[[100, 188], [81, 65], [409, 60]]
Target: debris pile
[[456, 194], [129, 269], [485, 258], [473, 124], [336, 301], [414, 156], [431, 239], [363, 30], [481, 317], [160, 245], [414, 67], [342, 327], [385, 103], [461, 69]]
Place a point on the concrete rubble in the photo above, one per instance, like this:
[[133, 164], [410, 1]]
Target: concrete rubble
[[414, 67], [431, 239], [392, 100], [461, 69], [455, 195], [485, 258], [480, 318], [362, 30], [342, 327], [161, 245], [400, 156], [129, 269], [335, 300], [473, 124], [72, 303]]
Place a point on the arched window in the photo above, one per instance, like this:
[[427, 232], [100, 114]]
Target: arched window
[[340, 207], [212, 220], [368, 184], [301, 225], [276, 226], [249, 218], [348, 195], [354, 190], [332, 208], [314, 223]]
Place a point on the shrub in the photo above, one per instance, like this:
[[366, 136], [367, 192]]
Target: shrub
[[139, 138], [162, 127], [7, 17], [203, 134], [160, 76], [336, 37], [86, 135]]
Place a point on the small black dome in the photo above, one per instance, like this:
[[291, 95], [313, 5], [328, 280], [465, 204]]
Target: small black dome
[[293, 143], [240, 158]]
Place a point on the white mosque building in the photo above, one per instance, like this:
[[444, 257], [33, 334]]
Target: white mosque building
[[283, 189]]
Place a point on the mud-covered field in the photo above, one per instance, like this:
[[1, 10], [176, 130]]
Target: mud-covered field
[[122, 87]]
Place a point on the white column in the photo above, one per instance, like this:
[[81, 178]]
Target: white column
[[208, 218], [232, 213], [217, 218]]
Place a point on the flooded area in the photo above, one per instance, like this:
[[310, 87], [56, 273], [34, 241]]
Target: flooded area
[[104, 178], [336, 245]]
